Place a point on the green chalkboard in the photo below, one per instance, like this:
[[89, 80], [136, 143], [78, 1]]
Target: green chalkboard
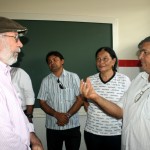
[[77, 41]]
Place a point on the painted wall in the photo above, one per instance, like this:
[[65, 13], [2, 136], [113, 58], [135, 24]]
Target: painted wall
[[130, 18]]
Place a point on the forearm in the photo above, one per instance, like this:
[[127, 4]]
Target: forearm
[[35, 142], [47, 109], [29, 109], [29, 112], [62, 118], [76, 106], [86, 105], [109, 107]]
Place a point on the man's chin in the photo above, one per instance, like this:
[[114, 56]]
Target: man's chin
[[11, 62]]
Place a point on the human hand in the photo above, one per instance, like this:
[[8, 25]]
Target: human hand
[[87, 90], [35, 142], [62, 118], [37, 147]]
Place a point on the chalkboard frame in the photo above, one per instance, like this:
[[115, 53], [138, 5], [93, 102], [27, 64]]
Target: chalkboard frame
[[68, 17], [81, 19]]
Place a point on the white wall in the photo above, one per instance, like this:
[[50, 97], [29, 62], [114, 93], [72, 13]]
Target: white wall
[[132, 15], [131, 19]]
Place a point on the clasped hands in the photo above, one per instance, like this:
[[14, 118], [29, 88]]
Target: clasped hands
[[62, 118], [87, 91]]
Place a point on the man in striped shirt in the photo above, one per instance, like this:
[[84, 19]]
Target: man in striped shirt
[[58, 92]]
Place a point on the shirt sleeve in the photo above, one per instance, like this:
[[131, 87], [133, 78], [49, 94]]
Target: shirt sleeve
[[76, 84], [121, 102], [43, 94], [123, 98], [128, 82], [31, 127], [26, 85]]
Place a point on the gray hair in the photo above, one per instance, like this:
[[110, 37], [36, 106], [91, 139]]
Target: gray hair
[[147, 39]]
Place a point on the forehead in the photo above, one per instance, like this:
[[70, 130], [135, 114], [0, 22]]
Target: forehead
[[145, 46], [10, 33], [103, 53], [52, 57]]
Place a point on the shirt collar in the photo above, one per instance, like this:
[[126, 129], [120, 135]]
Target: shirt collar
[[4, 68], [64, 73], [145, 75]]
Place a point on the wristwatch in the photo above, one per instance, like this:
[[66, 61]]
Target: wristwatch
[[29, 115], [68, 115]]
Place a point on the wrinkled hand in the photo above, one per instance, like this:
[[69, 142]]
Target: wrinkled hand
[[87, 90], [62, 118], [37, 147], [35, 142]]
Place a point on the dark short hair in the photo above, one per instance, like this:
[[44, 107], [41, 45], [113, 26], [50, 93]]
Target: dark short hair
[[147, 39], [55, 53], [111, 53]]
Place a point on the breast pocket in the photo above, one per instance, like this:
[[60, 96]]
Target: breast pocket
[[146, 108], [69, 94]]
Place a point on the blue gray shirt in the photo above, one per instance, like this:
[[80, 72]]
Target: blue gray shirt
[[60, 99]]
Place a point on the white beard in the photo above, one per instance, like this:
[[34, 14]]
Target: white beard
[[7, 56]]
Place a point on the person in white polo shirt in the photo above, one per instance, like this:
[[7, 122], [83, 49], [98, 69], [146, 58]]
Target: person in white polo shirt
[[23, 85], [102, 131]]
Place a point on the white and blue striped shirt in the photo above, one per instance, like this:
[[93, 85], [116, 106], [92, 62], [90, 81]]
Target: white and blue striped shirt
[[60, 99]]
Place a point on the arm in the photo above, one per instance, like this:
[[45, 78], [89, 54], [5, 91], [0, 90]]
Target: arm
[[35, 142], [110, 108], [29, 96], [62, 119], [79, 99], [85, 104], [29, 112], [75, 107], [9, 126]]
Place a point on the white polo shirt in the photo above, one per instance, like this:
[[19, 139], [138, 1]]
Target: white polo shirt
[[23, 85]]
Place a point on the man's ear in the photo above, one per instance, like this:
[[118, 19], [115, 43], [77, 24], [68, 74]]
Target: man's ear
[[62, 61]]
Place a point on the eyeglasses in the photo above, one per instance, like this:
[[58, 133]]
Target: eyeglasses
[[16, 37], [105, 59], [142, 51], [139, 95], [61, 86]]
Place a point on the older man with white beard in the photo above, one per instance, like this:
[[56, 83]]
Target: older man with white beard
[[15, 130]]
